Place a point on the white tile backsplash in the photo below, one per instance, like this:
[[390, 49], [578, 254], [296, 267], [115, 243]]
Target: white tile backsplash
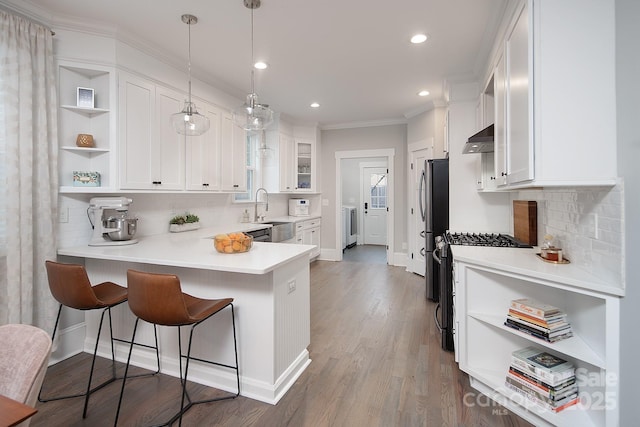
[[588, 223], [155, 210]]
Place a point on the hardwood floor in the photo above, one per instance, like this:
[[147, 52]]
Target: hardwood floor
[[376, 361]]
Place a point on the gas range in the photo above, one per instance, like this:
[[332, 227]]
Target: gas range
[[483, 239]]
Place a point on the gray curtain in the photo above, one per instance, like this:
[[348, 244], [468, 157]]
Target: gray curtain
[[28, 170]]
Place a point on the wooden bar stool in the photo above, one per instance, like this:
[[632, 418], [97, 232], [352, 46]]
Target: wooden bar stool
[[70, 286], [158, 299]]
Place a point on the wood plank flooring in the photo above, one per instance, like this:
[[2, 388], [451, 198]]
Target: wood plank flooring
[[376, 361]]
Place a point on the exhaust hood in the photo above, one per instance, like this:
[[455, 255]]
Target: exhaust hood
[[481, 142]]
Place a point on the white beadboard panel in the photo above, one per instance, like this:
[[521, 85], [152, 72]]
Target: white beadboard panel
[[588, 223], [291, 311]]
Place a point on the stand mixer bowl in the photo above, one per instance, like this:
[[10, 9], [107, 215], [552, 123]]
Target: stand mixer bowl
[[124, 228]]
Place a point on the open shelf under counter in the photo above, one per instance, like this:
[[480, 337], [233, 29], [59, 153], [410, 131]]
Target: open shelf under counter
[[493, 387], [574, 345]]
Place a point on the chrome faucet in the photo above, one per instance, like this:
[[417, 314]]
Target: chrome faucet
[[256, 218]]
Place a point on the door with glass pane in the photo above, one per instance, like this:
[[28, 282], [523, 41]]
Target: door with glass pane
[[374, 183]]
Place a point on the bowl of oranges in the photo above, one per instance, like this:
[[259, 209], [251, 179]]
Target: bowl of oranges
[[232, 243]]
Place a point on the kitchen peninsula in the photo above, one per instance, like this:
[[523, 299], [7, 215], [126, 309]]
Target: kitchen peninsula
[[270, 287]]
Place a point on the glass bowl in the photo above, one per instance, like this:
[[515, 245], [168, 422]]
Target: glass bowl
[[232, 243]]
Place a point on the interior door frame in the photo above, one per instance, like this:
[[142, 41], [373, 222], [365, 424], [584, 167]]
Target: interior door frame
[[363, 166], [390, 154]]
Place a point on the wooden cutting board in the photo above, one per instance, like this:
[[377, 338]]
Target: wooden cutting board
[[525, 221]]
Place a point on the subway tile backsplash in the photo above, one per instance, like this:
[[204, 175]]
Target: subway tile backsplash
[[588, 223]]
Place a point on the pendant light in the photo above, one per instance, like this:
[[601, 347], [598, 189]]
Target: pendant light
[[188, 121], [252, 116]]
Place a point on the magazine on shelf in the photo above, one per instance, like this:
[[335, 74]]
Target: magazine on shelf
[[535, 308], [552, 401], [542, 392], [541, 335], [542, 365], [556, 407], [551, 323], [543, 385]]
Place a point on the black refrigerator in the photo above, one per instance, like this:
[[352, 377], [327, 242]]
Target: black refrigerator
[[434, 207]]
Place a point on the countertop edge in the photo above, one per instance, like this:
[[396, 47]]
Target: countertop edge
[[524, 262]]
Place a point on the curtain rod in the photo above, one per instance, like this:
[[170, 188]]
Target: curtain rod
[[33, 19]]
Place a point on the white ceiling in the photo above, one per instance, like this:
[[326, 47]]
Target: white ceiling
[[351, 56]]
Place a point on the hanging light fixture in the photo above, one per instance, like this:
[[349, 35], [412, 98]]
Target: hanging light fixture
[[189, 121], [253, 116]]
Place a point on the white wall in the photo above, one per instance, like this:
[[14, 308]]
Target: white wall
[[628, 112], [429, 124], [470, 210]]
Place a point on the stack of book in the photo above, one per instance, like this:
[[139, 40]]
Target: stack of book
[[540, 320], [544, 379]]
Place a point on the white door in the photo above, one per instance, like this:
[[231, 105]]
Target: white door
[[416, 249], [374, 188]]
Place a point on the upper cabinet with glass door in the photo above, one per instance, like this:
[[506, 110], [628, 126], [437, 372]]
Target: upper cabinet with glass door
[[305, 165]]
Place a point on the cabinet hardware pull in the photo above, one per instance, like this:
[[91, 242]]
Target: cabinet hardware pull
[[236, 185]]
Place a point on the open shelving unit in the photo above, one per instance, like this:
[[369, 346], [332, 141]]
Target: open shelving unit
[[98, 121], [482, 300]]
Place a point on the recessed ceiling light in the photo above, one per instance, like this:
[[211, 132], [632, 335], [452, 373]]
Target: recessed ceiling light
[[418, 38], [260, 65], [314, 105], [423, 93]]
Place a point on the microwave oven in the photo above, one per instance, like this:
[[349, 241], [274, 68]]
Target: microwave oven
[[299, 207]]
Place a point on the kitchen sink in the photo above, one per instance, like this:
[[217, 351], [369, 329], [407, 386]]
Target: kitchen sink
[[280, 230]]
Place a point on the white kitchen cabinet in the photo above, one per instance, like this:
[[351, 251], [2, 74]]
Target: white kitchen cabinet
[[486, 173], [278, 174], [553, 135], [308, 233], [98, 121], [233, 154], [293, 166], [305, 165], [203, 154], [151, 152], [483, 292]]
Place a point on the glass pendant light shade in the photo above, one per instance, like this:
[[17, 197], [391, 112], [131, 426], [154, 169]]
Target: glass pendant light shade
[[253, 116], [189, 122]]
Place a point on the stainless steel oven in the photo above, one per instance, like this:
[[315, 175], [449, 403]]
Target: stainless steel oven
[[442, 255]]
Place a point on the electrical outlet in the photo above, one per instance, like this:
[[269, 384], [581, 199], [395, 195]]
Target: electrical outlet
[[63, 215], [292, 285]]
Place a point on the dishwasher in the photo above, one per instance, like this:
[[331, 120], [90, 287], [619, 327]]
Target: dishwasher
[[260, 235]]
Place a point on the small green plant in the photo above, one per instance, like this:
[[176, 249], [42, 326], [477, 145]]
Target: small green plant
[[184, 219]]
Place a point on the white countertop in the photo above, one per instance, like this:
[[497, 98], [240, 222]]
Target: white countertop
[[194, 249], [525, 262]]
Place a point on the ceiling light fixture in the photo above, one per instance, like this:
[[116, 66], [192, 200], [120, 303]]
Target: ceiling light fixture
[[418, 38], [423, 93], [260, 65], [189, 121], [252, 116], [314, 105]]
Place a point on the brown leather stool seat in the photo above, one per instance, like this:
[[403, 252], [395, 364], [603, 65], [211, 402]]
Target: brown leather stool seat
[[158, 299], [70, 286]]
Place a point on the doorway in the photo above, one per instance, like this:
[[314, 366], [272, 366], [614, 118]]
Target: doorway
[[346, 172]]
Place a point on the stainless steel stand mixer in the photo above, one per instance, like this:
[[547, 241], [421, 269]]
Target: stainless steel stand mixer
[[109, 217]]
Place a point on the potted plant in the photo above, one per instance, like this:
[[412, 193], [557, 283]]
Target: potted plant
[[184, 222]]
